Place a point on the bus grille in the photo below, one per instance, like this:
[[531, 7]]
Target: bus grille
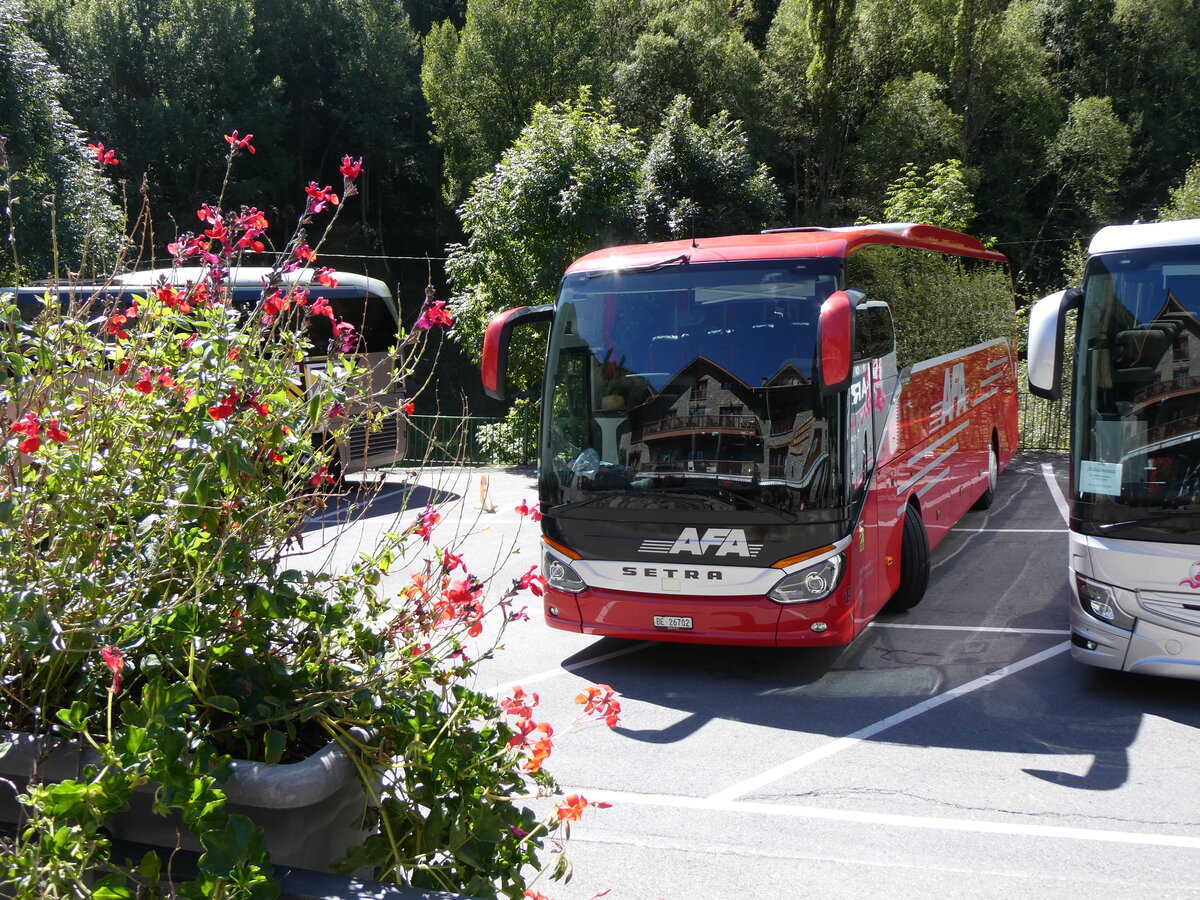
[[375, 448]]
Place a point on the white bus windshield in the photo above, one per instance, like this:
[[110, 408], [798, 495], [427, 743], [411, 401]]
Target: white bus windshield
[[1137, 438], [692, 385]]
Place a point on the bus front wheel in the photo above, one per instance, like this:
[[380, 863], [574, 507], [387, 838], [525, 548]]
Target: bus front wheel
[[914, 563]]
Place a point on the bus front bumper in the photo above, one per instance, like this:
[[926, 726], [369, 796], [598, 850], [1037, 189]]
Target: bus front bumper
[[748, 621], [1148, 649]]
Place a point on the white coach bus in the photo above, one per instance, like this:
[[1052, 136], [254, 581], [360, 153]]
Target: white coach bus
[[1135, 445]]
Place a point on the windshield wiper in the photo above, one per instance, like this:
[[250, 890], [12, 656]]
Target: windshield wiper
[[704, 491], [1161, 517], [648, 267]]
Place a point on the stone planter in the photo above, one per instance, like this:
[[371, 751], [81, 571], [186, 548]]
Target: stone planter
[[310, 811]]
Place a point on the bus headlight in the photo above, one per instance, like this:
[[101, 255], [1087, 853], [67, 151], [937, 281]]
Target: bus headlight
[[1101, 601], [813, 583], [560, 576]]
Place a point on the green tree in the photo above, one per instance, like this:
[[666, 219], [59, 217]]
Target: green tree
[[483, 81], [1185, 198], [909, 124], [566, 186], [367, 105], [940, 197], [51, 191], [697, 48], [161, 81], [700, 179], [1088, 156], [814, 81]]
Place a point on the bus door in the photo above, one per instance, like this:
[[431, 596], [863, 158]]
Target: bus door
[[871, 386]]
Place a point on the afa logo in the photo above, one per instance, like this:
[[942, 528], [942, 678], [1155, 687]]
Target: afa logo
[[1194, 581], [723, 541], [954, 396]]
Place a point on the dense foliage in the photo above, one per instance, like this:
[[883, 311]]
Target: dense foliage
[[161, 458], [1066, 114]]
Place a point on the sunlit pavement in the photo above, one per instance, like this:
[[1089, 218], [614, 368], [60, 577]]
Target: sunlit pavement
[[955, 750]]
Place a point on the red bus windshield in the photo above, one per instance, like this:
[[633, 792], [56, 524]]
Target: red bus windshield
[[689, 388]]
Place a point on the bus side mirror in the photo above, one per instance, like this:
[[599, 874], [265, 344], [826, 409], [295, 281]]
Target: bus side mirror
[[835, 343], [494, 366], [1047, 325]]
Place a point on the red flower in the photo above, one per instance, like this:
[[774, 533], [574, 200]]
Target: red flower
[[532, 511], [424, 526], [259, 407], [30, 444], [324, 276], [115, 326], [321, 307], [531, 581], [351, 168], [305, 253], [103, 157], [409, 408], [239, 143], [115, 662], [344, 331], [55, 433], [28, 424], [600, 701], [322, 476], [319, 198], [452, 561], [434, 313], [519, 704], [143, 384], [572, 807]]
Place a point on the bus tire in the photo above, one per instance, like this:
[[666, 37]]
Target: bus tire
[[993, 473], [914, 563]]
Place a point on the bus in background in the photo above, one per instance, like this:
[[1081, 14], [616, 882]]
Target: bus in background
[[1134, 555], [738, 443], [364, 302]]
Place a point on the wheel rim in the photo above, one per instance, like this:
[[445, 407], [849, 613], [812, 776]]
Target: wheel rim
[[993, 468]]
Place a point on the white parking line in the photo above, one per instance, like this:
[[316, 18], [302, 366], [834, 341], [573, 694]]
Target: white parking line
[[1010, 531], [1020, 829], [1057, 632], [570, 667], [1056, 492], [851, 740]]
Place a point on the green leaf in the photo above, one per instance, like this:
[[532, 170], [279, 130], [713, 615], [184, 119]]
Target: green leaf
[[223, 702], [275, 743]]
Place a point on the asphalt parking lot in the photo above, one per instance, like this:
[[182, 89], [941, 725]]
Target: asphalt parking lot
[[954, 750]]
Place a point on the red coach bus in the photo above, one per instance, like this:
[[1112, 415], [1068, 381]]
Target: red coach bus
[[758, 439]]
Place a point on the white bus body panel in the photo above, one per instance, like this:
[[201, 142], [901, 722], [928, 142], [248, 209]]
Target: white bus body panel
[[1159, 579]]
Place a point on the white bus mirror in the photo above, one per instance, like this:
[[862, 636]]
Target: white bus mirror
[[1047, 325]]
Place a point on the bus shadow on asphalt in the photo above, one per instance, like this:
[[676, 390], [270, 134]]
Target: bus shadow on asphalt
[[362, 500], [1056, 707]]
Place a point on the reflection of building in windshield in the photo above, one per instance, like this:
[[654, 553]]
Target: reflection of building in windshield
[[1171, 345], [1156, 382], [706, 420]]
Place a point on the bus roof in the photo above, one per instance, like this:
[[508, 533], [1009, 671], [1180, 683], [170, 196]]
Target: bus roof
[[249, 276], [1143, 235], [786, 243]]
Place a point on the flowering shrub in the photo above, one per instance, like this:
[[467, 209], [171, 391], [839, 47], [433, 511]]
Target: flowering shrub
[[157, 467]]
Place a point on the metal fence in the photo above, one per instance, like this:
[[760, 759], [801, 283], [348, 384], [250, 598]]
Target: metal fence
[[465, 440], [1045, 424]]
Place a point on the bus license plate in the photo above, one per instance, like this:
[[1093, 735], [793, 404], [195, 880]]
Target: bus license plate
[[674, 622]]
